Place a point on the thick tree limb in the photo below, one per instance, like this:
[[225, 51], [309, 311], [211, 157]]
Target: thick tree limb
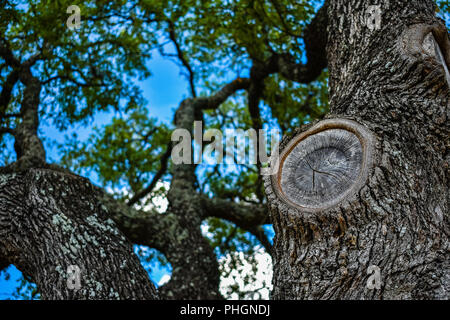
[[148, 228], [245, 216], [27, 143], [315, 38], [259, 233], [223, 94], [196, 272], [7, 130], [7, 54], [7, 88]]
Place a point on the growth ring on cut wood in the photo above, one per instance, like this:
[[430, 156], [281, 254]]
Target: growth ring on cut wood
[[322, 166]]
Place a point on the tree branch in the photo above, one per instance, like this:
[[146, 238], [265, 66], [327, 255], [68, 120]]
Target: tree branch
[[5, 95], [248, 217], [69, 227], [285, 27], [181, 57], [315, 38], [7, 54], [144, 192], [245, 216], [7, 130], [258, 73], [67, 78], [145, 228], [27, 143], [214, 101], [259, 233], [32, 60]]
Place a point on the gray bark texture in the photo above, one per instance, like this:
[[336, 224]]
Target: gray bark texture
[[387, 80], [50, 221]]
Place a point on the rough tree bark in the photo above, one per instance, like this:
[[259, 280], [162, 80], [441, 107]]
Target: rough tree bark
[[51, 222], [391, 183]]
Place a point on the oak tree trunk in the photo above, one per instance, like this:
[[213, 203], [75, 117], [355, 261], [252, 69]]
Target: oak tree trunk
[[366, 190]]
